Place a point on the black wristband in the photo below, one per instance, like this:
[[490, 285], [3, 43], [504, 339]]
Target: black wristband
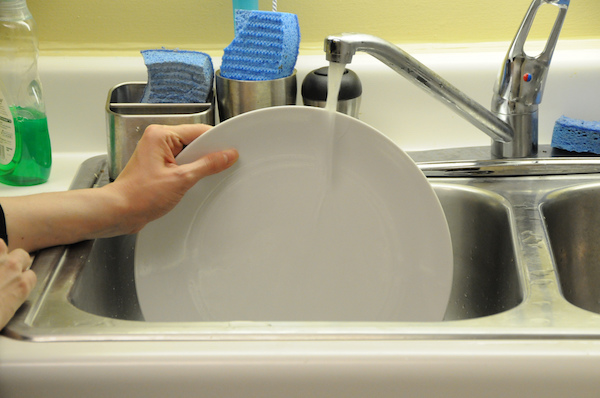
[[3, 233]]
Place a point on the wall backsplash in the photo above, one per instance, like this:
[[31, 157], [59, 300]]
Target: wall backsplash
[[116, 26]]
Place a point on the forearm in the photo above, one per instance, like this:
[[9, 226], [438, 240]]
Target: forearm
[[43, 220]]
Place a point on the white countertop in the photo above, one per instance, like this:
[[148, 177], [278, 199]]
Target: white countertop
[[301, 369], [451, 368], [64, 168], [387, 368]]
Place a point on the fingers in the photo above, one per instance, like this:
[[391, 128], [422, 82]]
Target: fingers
[[175, 137], [189, 132], [14, 294], [29, 280], [21, 257], [15, 262], [16, 281], [213, 163], [178, 136], [216, 162]]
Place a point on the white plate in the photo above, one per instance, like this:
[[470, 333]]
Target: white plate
[[301, 228]]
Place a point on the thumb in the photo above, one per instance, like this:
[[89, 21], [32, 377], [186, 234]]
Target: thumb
[[213, 163]]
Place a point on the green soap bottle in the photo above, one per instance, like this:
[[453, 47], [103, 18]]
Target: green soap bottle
[[25, 152]]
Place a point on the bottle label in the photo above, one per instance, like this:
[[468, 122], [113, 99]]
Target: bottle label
[[7, 132]]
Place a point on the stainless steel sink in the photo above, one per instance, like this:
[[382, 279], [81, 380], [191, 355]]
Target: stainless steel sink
[[508, 282], [486, 282], [572, 217], [486, 274]]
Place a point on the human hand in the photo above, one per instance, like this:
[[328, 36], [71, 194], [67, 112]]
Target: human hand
[[152, 183], [16, 281]]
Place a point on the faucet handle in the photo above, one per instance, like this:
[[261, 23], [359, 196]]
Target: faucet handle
[[517, 47], [518, 90], [522, 77]]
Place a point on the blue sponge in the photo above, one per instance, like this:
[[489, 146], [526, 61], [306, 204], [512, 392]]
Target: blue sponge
[[265, 46], [576, 135], [176, 76]]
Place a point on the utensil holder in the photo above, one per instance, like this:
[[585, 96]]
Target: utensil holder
[[127, 118]]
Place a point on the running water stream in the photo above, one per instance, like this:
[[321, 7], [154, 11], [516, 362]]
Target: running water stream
[[327, 153], [334, 81]]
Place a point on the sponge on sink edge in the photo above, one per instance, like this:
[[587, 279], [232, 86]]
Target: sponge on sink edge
[[576, 135], [265, 46], [177, 76]]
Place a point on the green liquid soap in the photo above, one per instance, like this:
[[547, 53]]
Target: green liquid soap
[[32, 160]]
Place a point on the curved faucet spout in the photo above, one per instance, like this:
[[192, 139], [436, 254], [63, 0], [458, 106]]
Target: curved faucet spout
[[341, 49]]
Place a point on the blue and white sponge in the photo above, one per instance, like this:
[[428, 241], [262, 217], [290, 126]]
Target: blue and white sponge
[[177, 76], [576, 135], [265, 46]]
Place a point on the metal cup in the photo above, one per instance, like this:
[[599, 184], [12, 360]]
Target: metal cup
[[238, 96]]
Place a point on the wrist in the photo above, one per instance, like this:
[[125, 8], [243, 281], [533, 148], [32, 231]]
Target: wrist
[[123, 217]]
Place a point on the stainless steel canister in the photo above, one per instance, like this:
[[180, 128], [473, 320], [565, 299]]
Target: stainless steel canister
[[238, 96], [127, 118]]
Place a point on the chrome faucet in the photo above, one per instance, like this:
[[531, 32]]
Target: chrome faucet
[[512, 122]]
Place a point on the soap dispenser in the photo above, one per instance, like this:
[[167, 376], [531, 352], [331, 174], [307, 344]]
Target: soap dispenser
[[25, 153]]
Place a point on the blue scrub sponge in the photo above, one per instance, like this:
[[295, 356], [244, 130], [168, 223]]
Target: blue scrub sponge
[[576, 135], [177, 76], [265, 46]]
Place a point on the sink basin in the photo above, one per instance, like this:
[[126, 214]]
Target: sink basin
[[105, 285], [572, 217], [486, 278], [523, 268]]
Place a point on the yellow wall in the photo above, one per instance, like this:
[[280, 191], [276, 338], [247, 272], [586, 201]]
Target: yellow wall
[[78, 26]]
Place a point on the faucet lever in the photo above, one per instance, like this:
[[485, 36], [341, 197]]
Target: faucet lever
[[520, 85], [518, 46]]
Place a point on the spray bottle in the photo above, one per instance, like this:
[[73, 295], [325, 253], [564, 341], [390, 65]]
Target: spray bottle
[[25, 153]]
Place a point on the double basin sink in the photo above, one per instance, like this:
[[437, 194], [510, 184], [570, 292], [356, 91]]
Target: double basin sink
[[526, 265]]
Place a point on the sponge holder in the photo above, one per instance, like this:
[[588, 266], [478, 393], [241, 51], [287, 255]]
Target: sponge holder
[[127, 118]]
